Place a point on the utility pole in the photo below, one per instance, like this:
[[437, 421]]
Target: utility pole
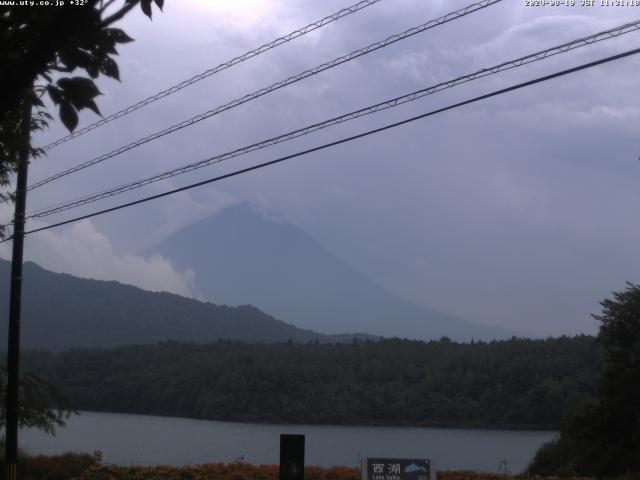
[[13, 355]]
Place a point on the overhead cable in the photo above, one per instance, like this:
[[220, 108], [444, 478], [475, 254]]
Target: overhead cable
[[217, 69], [533, 57], [343, 140], [276, 86]]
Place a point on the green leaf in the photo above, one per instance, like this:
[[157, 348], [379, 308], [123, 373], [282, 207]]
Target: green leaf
[[108, 45], [93, 70], [78, 86], [146, 7], [110, 68], [80, 92], [55, 94], [91, 105], [118, 35], [109, 48], [76, 57], [68, 116]]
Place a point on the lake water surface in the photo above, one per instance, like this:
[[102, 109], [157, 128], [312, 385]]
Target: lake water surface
[[142, 439]]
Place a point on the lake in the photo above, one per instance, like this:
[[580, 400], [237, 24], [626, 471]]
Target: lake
[[143, 439]]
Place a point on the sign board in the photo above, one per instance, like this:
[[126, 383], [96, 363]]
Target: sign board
[[291, 457], [396, 469]]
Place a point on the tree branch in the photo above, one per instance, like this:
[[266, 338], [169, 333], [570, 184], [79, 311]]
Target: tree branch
[[119, 14], [104, 7]]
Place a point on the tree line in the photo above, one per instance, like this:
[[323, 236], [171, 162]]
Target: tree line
[[516, 384]]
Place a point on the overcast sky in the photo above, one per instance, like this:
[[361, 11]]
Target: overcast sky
[[519, 211]]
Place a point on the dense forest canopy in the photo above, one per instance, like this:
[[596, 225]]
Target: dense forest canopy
[[518, 383]]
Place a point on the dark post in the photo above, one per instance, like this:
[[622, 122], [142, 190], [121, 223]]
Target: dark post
[[291, 457], [13, 356]]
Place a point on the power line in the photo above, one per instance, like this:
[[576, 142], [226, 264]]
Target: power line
[[540, 55], [217, 69], [343, 140], [276, 86]]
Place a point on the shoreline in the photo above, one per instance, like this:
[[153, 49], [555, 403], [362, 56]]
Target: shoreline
[[433, 426]]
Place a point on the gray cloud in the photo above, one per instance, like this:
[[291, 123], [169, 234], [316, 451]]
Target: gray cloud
[[83, 251], [517, 211]]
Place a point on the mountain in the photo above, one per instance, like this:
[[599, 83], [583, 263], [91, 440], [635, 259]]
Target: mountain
[[243, 256], [60, 311]]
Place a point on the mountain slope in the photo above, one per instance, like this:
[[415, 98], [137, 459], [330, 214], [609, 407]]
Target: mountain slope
[[241, 256], [61, 311]]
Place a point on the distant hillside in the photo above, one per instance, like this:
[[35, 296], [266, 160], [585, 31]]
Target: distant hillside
[[508, 384], [60, 311], [241, 256]]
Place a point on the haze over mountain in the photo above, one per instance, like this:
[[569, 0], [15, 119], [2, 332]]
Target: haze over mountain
[[241, 255], [60, 311]]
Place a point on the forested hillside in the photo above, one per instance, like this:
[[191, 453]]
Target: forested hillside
[[61, 311], [507, 384]]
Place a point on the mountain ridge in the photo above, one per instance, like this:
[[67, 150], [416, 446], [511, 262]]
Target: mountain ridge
[[61, 311]]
